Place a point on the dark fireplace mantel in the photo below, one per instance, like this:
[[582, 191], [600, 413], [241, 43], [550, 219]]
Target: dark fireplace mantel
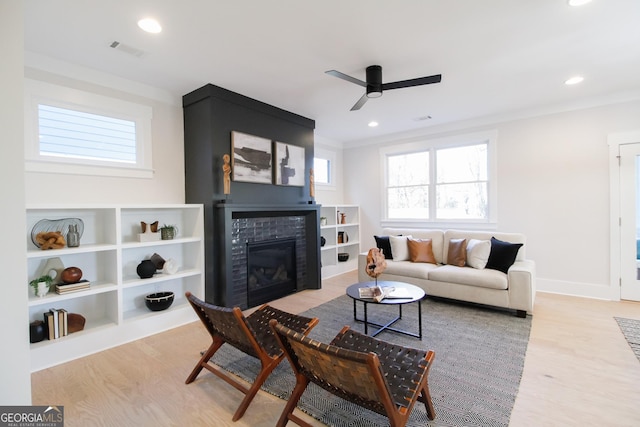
[[239, 224]]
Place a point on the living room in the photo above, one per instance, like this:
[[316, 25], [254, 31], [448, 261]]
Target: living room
[[554, 167]]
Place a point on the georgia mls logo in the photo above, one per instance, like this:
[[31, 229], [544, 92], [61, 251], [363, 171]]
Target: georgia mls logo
[[31, 416]]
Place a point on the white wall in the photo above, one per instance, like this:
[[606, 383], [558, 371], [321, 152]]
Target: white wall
[[553, 186], [167, 184], [15, 383]]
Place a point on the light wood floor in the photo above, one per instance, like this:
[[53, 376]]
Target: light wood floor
[[579, 371]]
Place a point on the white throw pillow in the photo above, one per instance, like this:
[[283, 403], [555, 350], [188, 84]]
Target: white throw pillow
[[478, 253], [399, 247]]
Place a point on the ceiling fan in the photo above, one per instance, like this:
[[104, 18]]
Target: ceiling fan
[[375, 86]]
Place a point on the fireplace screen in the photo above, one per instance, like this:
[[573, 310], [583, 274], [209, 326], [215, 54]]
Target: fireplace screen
[[271, 270]]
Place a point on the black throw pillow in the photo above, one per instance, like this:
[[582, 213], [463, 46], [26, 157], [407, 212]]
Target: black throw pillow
[[382, 242], [502, 255]]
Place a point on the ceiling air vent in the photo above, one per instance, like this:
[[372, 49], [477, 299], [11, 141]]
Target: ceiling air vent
[[127, 49]]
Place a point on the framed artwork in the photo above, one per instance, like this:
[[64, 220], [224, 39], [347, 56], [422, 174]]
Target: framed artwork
[[289, 164], [252, 156]]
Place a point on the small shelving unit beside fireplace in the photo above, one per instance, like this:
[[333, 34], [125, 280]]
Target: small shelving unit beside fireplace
[[342, 236]]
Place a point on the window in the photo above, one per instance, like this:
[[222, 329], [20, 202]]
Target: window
[[321, 170], [72, 131], [79, 135], [324, 168], [441, 180]]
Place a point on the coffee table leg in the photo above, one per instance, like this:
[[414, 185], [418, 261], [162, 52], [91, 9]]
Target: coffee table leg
[[366, 321], [420, 318]]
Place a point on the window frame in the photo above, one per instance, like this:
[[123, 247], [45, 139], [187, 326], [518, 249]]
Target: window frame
[[432, 145], [38, 92]]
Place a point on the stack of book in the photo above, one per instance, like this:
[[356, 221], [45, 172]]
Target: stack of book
[[56, 321], [63, 288]]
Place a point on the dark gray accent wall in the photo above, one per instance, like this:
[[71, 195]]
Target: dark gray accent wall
[[211, 113]]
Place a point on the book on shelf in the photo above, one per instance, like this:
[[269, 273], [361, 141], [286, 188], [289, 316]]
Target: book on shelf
[[62, 288], [378, 293], [56, 321]]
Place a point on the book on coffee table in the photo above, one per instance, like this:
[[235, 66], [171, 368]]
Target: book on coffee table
[[378, 293]]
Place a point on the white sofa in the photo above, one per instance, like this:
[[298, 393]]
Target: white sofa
[[513, 290]]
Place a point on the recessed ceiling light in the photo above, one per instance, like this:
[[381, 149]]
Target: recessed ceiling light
[[578, 2], [150, 25], [373, 124], [574, 80]]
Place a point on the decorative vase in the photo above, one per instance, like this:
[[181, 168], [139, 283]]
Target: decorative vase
[[146, 269], [73, 237], [43, 289], [36, 331], [323, 241], [167, 233], [343, 218]]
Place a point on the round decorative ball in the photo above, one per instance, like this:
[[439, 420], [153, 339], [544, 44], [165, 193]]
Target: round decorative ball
[[71, 275], [146, 269]]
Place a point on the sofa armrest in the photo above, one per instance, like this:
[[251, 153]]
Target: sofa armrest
[[522, 285]]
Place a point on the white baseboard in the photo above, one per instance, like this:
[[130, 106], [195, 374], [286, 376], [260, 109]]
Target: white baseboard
[[586, 290]]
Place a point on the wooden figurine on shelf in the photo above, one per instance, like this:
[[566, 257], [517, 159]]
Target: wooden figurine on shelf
[[226, 169], [312, 184]]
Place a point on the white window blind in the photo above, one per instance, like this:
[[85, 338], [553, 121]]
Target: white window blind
[[76, 134]]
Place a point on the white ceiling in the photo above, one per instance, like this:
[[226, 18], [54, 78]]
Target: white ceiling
[[496, 57]]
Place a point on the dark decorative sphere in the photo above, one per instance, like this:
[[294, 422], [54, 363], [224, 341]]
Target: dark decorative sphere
[[146, 269], [323, 241], [71, 275]]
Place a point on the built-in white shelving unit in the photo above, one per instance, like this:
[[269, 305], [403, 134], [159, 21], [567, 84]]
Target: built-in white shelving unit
[[108, 255], [339, 238]]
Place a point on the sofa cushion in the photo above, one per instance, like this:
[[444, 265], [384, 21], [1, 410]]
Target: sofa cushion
[[485, 278], [417, 270], [503, 255], [382, 242], [399, 247], [421, 250], [457, 254], [478, 253]]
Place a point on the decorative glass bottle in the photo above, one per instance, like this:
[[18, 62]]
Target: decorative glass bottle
[[73, 237]]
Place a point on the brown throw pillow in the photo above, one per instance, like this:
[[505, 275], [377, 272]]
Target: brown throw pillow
[[421, 250], [457, 252]]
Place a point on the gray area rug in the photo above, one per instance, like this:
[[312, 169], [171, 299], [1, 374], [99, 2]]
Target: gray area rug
[[473, 382], [631, 330]]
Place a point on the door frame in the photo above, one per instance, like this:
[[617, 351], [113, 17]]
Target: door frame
[[615, 140]]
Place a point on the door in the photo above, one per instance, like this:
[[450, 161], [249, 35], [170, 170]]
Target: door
[[630, 221]]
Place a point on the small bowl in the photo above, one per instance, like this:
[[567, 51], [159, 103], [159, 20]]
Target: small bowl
[[159, 301], [343, 256]]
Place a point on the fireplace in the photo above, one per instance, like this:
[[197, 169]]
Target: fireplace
[[271, 270], [243, 228]]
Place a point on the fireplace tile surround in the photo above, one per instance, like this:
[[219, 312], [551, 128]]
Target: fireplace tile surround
[[237, 225]]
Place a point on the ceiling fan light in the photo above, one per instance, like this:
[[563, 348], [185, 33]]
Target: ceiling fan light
[[374, 94]]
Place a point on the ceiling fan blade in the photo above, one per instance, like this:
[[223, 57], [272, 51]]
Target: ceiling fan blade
[[413, 82], [360, 103], [343, 76]]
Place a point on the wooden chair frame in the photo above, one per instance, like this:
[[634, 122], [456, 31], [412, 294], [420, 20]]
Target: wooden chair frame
[[251, 335], [380, 376]]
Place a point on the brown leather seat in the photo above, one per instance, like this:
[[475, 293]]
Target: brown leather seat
[[383, 377], [251, 335]]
